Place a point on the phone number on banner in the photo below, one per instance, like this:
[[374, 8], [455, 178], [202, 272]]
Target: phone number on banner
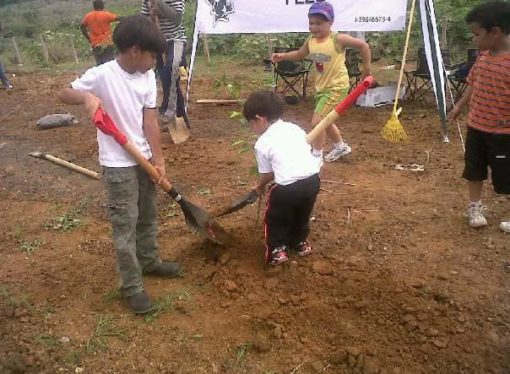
[[367, 19]]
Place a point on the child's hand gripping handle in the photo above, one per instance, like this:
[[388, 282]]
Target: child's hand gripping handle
[[341, 107], [104, 123]]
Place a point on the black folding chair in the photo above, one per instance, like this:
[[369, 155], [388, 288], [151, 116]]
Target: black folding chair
[[458, 80], [419, 80], [291, 76], [352, 60]]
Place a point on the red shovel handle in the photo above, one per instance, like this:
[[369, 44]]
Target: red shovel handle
[[360, 89], [104, 123], [341, 107]]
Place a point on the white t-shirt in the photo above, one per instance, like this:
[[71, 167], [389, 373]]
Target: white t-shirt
[[124, 96], [283, 150]]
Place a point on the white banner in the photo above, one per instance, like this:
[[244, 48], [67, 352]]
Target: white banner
[[278, 16]]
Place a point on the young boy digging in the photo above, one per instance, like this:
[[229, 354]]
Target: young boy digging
[[283, 155], [488, 96], [126, 89], [327, 50]]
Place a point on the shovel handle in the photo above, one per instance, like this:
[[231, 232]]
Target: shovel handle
[[70, 165], [147, 166], [340, 108]]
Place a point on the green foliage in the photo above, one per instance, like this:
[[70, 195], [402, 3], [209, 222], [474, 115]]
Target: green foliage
[[66, 222]]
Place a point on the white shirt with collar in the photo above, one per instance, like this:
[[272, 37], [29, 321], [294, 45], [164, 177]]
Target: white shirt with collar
[[283, 150]]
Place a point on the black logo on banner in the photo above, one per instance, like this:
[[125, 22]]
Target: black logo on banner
[[221, 9]]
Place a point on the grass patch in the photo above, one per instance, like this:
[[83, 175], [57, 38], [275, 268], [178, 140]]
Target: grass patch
[[29, 246], [66, 222], [15, 301], [113, 294], [106, 327], [165, 304]]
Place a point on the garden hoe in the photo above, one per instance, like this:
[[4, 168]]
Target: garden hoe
[[340, 108], [196, 218]]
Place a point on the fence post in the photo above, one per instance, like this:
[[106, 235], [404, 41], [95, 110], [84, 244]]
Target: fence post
[[45, 50], [16, 50], [206, 49], [74, 50]]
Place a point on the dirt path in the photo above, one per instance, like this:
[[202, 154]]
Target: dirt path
[[399, 285]]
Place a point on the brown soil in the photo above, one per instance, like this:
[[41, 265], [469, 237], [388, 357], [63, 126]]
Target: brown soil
[[402, 286]]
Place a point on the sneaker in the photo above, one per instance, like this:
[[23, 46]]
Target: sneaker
[[475, 215], [140, 303], [9, 87], [505, 226], [336, 153], [303, 249], [277, 256], [166, 269]]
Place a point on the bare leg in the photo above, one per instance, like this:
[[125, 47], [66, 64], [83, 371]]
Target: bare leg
[[475, 190], [320, 141], [333, 134]]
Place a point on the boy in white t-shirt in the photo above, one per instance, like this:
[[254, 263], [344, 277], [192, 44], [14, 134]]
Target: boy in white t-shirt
[[283, 155], [126, 89]]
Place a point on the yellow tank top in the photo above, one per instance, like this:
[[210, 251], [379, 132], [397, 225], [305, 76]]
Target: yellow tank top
[[329, 60]]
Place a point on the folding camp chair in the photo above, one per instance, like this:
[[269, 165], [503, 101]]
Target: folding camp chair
[[291, 76], [458, 79], [352, 60], [419, 80]]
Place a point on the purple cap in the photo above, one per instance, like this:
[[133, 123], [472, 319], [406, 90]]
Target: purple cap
[[322, 8]]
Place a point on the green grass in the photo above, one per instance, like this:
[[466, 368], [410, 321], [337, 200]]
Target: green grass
[[66, 222], [106, 327], [29, 246]]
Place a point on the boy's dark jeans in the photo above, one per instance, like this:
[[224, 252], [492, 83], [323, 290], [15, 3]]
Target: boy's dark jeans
[[133, 215], [288, 212]]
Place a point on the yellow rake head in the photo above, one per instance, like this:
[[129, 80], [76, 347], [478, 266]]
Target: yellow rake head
[[393, 130]]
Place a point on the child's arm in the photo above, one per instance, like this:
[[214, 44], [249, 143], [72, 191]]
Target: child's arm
[[348, 41], [297, 55], [75, 97], [466, 97], [151, 131], [263, 180]]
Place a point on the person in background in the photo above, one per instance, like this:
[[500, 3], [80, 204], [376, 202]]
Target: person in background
[[3, 76], [327, 50], [95, 27], [488, 97], [169, 15]]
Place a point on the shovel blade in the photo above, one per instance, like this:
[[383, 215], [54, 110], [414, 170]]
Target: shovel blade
[[200, 221], [178, 130]]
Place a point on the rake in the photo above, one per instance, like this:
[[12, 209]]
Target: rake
[[393, 130]]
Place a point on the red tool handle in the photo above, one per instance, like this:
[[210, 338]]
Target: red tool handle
[[104, 123], [360, 89], [341, 107]]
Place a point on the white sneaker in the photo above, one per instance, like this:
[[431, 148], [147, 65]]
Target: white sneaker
[[505, 226], [336, 153], [475, 215]]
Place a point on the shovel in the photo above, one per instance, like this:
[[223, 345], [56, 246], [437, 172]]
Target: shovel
[[196, 218], [178, 130], [240, 203]]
